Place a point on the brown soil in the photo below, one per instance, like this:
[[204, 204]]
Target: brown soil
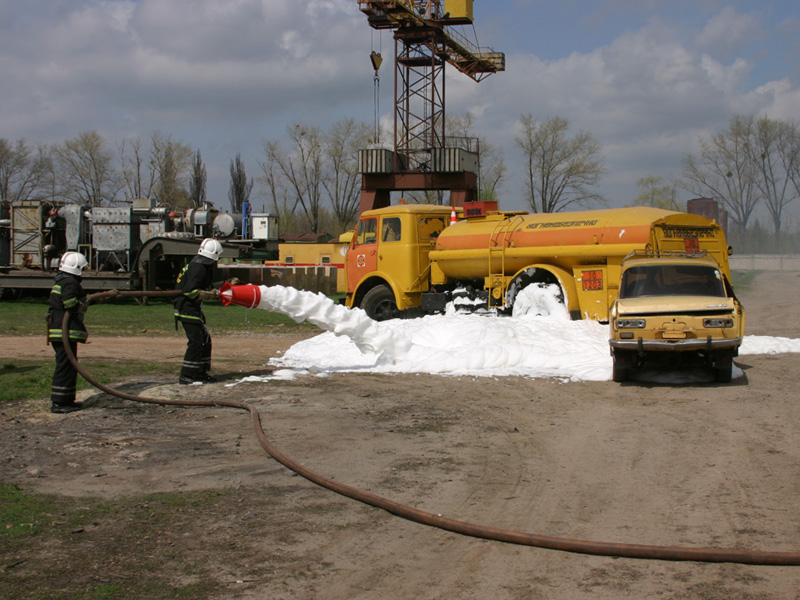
[[703, 465]]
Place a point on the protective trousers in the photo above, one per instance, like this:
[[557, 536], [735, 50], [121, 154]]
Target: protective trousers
[[197, 360], [62, 391]]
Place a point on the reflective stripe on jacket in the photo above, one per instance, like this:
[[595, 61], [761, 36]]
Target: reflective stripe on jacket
[[65, 296], [196, 275]]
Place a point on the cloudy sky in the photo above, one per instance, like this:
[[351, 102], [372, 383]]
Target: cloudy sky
[[645, 77]]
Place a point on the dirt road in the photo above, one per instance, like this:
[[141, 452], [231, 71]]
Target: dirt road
[[692, 465]]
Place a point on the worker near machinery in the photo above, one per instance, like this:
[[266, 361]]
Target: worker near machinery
[[54, 238], [67, 295], [196, 282]]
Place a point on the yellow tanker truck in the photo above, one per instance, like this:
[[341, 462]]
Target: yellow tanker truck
[[413, 259]]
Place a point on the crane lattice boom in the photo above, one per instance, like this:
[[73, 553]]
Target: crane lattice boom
[[472, 60]]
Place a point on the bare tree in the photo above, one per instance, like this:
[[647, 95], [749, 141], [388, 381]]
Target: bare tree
[[560, 170], [341, 178], [792, 142], [240, 188], [654, 192], [24, 170], [724, 170], [283, 202], [85, 170], [775, 156], [197, 181], [138, 172], [171, 161], [301, 169]]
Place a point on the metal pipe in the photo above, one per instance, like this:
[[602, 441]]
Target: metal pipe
[[639, 551]]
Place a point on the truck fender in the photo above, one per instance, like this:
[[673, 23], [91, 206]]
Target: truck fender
[[370, 281], [544, 273]]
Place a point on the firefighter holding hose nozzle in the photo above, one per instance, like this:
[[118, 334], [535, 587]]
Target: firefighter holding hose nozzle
[[67, 295], [196, 283]]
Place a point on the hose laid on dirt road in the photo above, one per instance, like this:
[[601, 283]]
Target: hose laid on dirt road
[[640, 551]]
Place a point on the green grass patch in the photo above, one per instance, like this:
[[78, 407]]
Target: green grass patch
[[29, 379], [24, 515], [126, 318], [80, 549]]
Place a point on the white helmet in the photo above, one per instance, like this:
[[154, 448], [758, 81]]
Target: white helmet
[[73, 263], [210, 248]]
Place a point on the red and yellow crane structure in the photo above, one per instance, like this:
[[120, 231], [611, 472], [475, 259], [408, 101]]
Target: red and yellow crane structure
[[423, 157]]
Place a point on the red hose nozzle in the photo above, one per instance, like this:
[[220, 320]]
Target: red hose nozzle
[[247, 295]]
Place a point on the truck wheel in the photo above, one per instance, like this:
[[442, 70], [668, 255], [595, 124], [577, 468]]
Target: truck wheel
[[379, 303], [521, 286], [621, 366], [723, 368]]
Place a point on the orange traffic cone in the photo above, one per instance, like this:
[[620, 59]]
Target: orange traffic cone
[[453, 217]]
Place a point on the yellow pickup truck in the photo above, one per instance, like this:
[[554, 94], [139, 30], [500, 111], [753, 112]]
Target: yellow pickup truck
[[677, 303]]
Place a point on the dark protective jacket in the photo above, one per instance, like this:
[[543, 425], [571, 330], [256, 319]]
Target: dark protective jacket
[[66, 295], [195, 276]]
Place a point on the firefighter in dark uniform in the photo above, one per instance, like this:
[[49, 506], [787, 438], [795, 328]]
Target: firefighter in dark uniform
[[67, 295], [195, 281]]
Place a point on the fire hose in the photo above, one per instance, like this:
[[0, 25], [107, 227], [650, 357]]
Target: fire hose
[[611, 549]]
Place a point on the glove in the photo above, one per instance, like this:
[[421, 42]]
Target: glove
[[235, 281], [83, 305], [207, 295]]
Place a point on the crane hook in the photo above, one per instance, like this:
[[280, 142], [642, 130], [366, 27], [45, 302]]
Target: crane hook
[[376, 59]]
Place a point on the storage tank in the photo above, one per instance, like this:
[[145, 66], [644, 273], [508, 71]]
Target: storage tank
[[227, 225], [514, 241]]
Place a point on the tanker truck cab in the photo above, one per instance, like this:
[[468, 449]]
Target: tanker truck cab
[[675, 306], [387, 262]]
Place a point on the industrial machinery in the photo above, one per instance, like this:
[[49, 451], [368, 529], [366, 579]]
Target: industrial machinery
[[134, 246], [414, 259]]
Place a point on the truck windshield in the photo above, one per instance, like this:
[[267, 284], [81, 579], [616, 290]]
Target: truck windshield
[[671, 280]]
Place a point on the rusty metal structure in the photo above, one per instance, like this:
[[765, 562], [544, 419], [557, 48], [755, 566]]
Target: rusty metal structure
[[423, 157]]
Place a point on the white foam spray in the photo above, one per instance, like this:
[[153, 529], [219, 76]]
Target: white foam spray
[[461, 343], [318, 309]]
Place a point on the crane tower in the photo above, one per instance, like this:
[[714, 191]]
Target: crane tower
[[423, 157]]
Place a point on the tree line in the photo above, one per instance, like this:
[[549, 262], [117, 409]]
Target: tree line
[[310, 177], [754, 162], [312, 182]]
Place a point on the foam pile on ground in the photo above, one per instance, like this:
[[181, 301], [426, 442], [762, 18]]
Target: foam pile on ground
[[531, 344]]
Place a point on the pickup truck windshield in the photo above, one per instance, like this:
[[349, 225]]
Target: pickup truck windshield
[[671, 280]]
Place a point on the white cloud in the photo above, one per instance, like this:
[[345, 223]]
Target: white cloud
[[182, 60], [728, 30], [223, 75], [646, 97], [776, 100]]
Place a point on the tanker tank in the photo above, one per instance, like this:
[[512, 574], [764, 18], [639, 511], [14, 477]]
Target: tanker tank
[[514, 241]]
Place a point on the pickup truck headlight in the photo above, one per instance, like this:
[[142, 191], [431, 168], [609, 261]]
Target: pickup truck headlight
[[717, 323], [630, 323]]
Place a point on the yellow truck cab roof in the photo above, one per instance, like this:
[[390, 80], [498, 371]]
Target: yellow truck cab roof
[[410, 209]]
